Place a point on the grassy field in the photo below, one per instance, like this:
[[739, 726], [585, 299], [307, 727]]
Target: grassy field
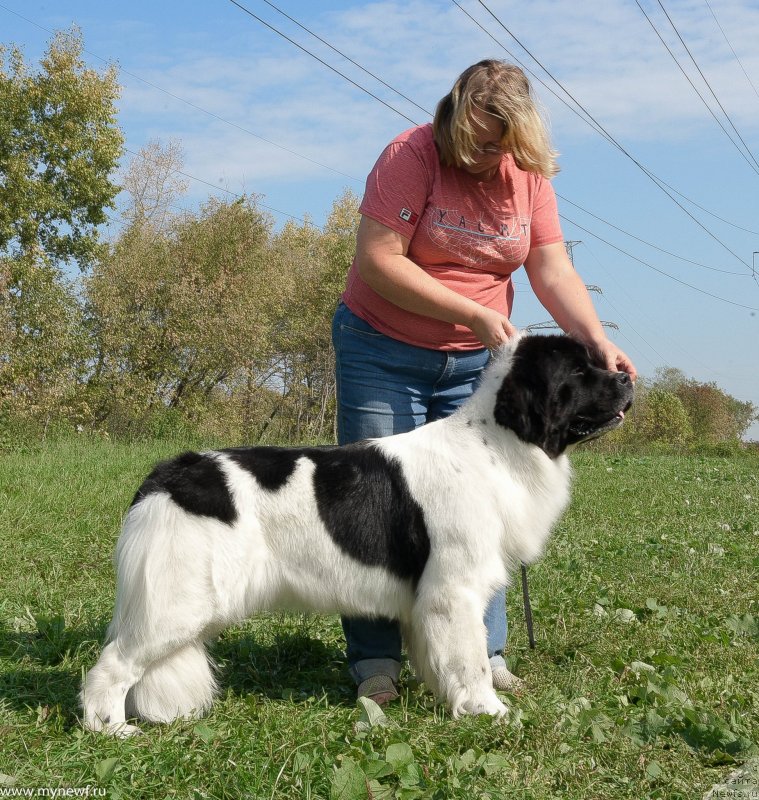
[[644, 682]]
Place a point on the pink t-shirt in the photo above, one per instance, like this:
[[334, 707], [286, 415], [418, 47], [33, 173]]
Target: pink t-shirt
[[469, 234]]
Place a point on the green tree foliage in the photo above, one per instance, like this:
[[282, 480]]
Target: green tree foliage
[[59, 145], [312, 264], [678, 412], [664, 419], [211, 322], [179, 313], [714, 415]]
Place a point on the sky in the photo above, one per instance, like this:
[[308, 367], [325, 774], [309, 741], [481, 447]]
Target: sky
[[678, 270]]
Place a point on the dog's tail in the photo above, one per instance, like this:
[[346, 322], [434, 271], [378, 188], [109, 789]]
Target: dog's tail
[[181, 685]]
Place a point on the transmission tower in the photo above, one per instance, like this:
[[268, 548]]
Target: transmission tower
[[570, 246], [550, 324]]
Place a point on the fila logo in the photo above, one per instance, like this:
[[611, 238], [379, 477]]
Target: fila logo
[[408, 216]]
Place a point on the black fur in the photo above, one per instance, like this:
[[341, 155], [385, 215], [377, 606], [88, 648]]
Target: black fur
[[557, 393], [361, 495], [368, 509], [270, 466], [195, 483], [362, 498]]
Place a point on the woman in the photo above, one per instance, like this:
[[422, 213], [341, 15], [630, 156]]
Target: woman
[[451, 210]]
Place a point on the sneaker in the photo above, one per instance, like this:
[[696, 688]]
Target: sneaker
[[505, 681], [379, 688]]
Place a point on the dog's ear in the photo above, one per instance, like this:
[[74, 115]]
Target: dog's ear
[[526, 411], [519, 409]]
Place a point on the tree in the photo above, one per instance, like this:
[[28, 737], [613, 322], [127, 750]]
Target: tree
[[312, 264], [179, 313], [664, 419], [59, 145], [152, 183], [715, 416]]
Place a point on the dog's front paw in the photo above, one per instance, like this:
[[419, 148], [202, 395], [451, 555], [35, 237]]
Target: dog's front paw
[[484, 704]]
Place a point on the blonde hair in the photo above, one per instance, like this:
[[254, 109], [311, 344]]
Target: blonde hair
[[503, 91]]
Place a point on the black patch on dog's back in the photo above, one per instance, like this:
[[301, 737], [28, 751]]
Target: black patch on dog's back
[[361, 495], [365, 503], [195, 482], [270, 466]]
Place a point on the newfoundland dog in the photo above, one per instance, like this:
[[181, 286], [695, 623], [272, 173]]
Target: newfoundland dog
[[421, 527]]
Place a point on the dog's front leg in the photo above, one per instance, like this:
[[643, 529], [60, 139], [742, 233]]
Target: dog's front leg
[[450, 650]]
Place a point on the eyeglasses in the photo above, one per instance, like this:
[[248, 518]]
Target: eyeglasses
[[489, 150]]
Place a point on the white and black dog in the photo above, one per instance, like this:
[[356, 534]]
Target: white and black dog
[[421, 527]]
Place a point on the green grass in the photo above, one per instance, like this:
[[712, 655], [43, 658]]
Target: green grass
[[644, 682]]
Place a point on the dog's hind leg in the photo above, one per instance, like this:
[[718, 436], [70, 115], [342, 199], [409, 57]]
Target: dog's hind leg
[[450, 647], [178, 686], [157, 684]]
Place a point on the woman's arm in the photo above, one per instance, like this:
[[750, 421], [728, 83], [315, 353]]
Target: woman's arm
[[563, 294], [382, 263]]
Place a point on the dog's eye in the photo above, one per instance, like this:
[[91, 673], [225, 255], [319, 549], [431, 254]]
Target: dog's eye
[[578, 371]]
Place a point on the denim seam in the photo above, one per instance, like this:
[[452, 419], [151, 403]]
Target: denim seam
[[359, 332]]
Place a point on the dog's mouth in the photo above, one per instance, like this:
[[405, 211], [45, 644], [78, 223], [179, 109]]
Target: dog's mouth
[[583, 430]]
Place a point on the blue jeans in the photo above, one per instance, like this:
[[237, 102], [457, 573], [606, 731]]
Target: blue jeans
[[384, 387]]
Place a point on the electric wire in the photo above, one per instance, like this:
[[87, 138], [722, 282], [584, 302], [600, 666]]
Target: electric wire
[[710, 213], [708, 85], [347, 58], [649, 244], [618, 312], [747, 158], [598, 127], [299, 219], [665, 335], [732, 50], [352, 178], [656, 269], [591, 122], [321, 61], [191, 104]]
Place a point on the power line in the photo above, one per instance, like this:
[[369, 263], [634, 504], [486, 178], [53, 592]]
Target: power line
[[347, 58], [724, 35], [600, 129], [592, 123], [656, 269], [649, 244], [618, 312], [291, 216], [708, 85], [320, 60], [710, 213], [747, 158], [665, 334], [191, 104], [597, 125]]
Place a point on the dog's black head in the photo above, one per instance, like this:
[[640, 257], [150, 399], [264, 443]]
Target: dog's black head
[[558, 393]]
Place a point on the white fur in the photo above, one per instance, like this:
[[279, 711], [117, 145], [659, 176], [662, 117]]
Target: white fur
[[489, 502]]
